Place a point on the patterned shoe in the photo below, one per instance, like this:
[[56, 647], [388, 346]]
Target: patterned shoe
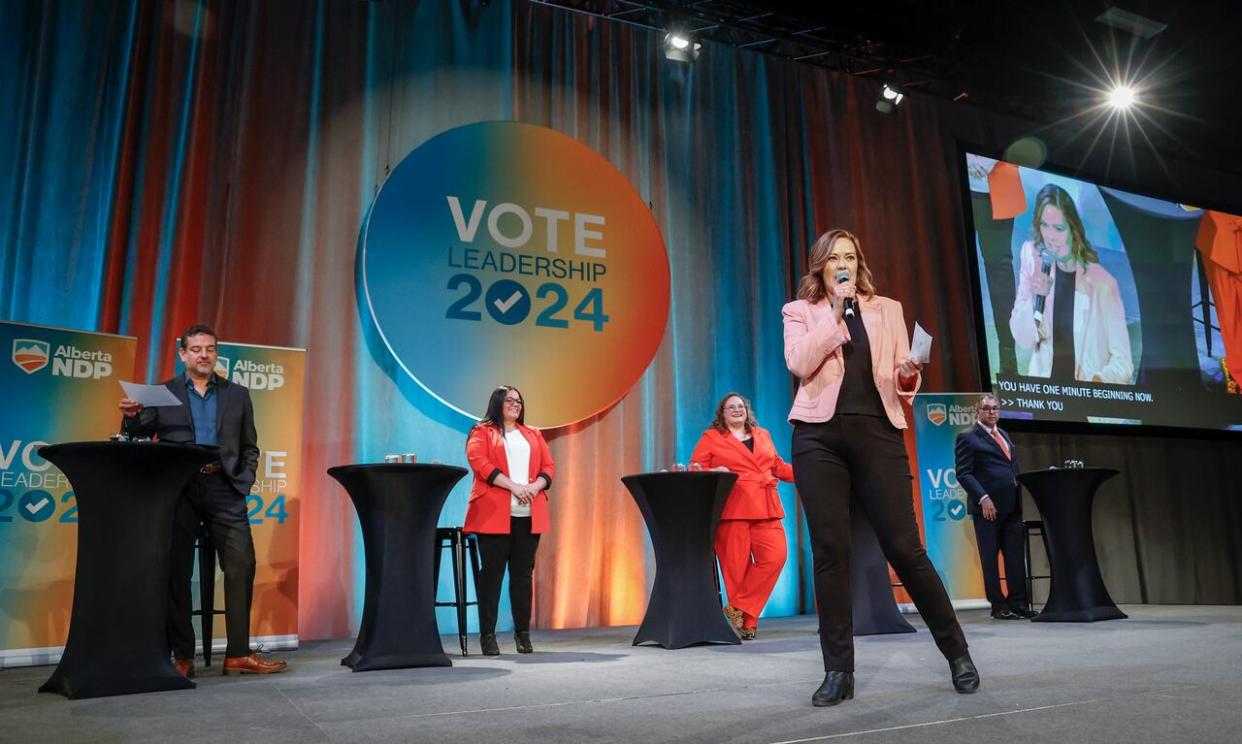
[[734, 615], [750, 634]]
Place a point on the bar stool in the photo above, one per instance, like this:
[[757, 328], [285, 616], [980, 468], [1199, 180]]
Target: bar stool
[[458, 544], [1033, 525], [207, 611]]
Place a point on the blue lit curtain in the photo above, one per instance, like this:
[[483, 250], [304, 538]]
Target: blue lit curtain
[[166, 162]]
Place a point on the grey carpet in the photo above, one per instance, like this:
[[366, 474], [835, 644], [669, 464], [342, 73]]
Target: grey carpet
[[1169, 673]]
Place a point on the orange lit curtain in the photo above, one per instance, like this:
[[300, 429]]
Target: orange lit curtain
[[166, 162]]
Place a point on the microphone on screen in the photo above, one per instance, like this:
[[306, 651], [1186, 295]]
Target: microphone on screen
[[1046, 270], [843, 276]]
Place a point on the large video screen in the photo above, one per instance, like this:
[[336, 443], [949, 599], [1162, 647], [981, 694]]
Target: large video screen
[[1104, 306]]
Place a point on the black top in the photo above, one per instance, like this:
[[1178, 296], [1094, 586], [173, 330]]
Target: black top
[[750, 443], [1063, 327], [858, 394]]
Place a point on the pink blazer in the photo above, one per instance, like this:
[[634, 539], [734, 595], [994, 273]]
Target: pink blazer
[[813, 352], [1101, 341]]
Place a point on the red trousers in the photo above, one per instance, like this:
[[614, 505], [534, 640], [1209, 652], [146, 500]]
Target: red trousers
[[752, 553]]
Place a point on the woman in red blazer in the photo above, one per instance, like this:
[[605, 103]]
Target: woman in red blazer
[[508, 510], [750, 540]]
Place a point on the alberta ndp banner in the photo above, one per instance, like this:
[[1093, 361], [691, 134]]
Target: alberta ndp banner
[[947, 527], [59, 386], [275, 377], [508, 253]]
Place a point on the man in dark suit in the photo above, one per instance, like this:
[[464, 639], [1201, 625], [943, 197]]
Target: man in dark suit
[[214, 413], [987, 467]]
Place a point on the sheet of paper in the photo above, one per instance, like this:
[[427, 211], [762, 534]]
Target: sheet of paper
[[920, 347], [150, 396]]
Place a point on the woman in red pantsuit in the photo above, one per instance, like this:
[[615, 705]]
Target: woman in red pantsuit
[[750, 540]]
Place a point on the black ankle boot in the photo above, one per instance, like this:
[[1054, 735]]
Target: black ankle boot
[[487, 642], [837, 686], [965, 676], [522, 639]]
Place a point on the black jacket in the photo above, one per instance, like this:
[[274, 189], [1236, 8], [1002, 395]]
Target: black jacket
[[983, 469], [239, 443]]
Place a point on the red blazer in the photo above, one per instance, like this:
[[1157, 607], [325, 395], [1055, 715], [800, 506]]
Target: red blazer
[[488, 512], [754, 495]]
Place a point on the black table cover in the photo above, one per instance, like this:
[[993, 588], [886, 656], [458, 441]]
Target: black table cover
[[398, 506], [1064, 498], [682, 510], [871, 588], [127, 494]]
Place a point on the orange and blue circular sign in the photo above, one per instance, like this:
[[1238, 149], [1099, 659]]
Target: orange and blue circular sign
[[509, 253]]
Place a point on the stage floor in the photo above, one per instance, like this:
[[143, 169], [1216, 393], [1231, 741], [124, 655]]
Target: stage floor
[[1169, 673]]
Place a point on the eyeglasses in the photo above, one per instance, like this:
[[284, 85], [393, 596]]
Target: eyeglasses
[[514, 400], [989, 408]]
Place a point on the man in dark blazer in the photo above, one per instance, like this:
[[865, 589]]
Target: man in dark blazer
[[987, 466], [214, 413]]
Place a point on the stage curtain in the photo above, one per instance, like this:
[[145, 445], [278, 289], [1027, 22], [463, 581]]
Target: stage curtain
[[1168, 529], [165, 162]]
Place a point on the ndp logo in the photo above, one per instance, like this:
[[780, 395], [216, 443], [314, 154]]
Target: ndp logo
[[955, 415], [504, 240], [255, 375], [32, 355], [251, 374]]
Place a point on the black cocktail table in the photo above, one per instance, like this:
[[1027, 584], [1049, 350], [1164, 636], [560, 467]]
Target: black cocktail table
[[682, 510], [127, 494], [398, 506], [1064, 498]]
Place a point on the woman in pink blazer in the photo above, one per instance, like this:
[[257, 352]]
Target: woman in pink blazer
[[848, 347], [1081, 334], [750, 539], [508, 510]]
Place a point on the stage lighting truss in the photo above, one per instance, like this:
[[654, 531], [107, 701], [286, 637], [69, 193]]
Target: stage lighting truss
[[680, 45], [889, 99]]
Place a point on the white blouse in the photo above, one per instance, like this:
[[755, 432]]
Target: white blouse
[[517, 452]]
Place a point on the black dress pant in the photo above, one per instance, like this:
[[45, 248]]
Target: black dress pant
[[516, 551], [865, 456], [1007, 535], [211, 500], [996, 245]]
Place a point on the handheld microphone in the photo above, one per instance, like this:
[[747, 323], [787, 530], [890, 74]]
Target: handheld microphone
[[1046, 270], [843, 276]]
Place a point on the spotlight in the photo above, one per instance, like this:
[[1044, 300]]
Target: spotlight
[[890, 97], [680, 46], [1121, 97]]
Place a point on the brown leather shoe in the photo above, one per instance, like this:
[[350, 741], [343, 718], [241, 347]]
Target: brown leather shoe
[[252, 664], [185, 667]]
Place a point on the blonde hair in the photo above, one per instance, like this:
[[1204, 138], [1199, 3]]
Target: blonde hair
[[811, 287]]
